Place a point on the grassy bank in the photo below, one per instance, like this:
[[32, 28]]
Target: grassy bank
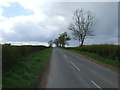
[[25, 73], [114, 63], [108, 54], [12, 54]]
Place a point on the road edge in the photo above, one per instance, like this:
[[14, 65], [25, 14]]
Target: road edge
[[42, 79], [96, 61]]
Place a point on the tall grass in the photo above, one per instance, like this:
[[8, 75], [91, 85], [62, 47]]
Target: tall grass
[[22, 65], [25, 73], [109, 54], [13, 54], [108, 51], [114, 63]]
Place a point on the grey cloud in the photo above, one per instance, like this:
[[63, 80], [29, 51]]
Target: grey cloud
[[106, 14], [106, 27]]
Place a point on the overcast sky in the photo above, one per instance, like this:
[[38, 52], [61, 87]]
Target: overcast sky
[[37, 22]]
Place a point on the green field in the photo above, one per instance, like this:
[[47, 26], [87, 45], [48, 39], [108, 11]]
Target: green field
[[23, 73], [108, 54]]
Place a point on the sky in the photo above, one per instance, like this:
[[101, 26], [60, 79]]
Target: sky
[[35, 22]]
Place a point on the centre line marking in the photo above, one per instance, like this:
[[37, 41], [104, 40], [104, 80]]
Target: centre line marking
[[65, 56], [74, 65], [96, 85]]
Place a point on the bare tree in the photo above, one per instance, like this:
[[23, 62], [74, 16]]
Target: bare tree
[[82, 24], [50, 43]]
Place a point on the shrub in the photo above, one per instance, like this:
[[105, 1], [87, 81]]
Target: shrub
[[105, 50], [12, 54]]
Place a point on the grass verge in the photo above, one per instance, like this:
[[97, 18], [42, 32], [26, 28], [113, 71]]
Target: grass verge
[[25, 73], [114, 63]]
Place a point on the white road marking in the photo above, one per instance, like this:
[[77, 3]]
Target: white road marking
[[74, 65], [96, 85], [65, 56]]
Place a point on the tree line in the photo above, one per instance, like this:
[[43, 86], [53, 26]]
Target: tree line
[[61, 41], [80, 27]]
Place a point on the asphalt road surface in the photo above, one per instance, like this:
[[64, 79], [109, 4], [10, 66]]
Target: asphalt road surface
[[67, 70]]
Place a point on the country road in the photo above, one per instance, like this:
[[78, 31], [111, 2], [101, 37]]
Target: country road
[[67, 70]]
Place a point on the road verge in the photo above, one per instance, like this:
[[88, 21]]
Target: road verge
[[88, 57]]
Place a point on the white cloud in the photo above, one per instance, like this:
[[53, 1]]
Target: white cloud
[[1, 17], [61, 18], [0, 39], [48, 20], [29, 43], [1, 11], [34, 27], [4, 3], [27, 4]]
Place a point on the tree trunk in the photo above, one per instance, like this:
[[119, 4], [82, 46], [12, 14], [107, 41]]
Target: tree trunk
[[82, 43]]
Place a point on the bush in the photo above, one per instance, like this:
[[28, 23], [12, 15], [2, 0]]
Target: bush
[[105, 50], [12, 54]]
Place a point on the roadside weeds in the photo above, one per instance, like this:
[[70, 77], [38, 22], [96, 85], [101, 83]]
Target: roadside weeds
[[42, 79], [97, 61]]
